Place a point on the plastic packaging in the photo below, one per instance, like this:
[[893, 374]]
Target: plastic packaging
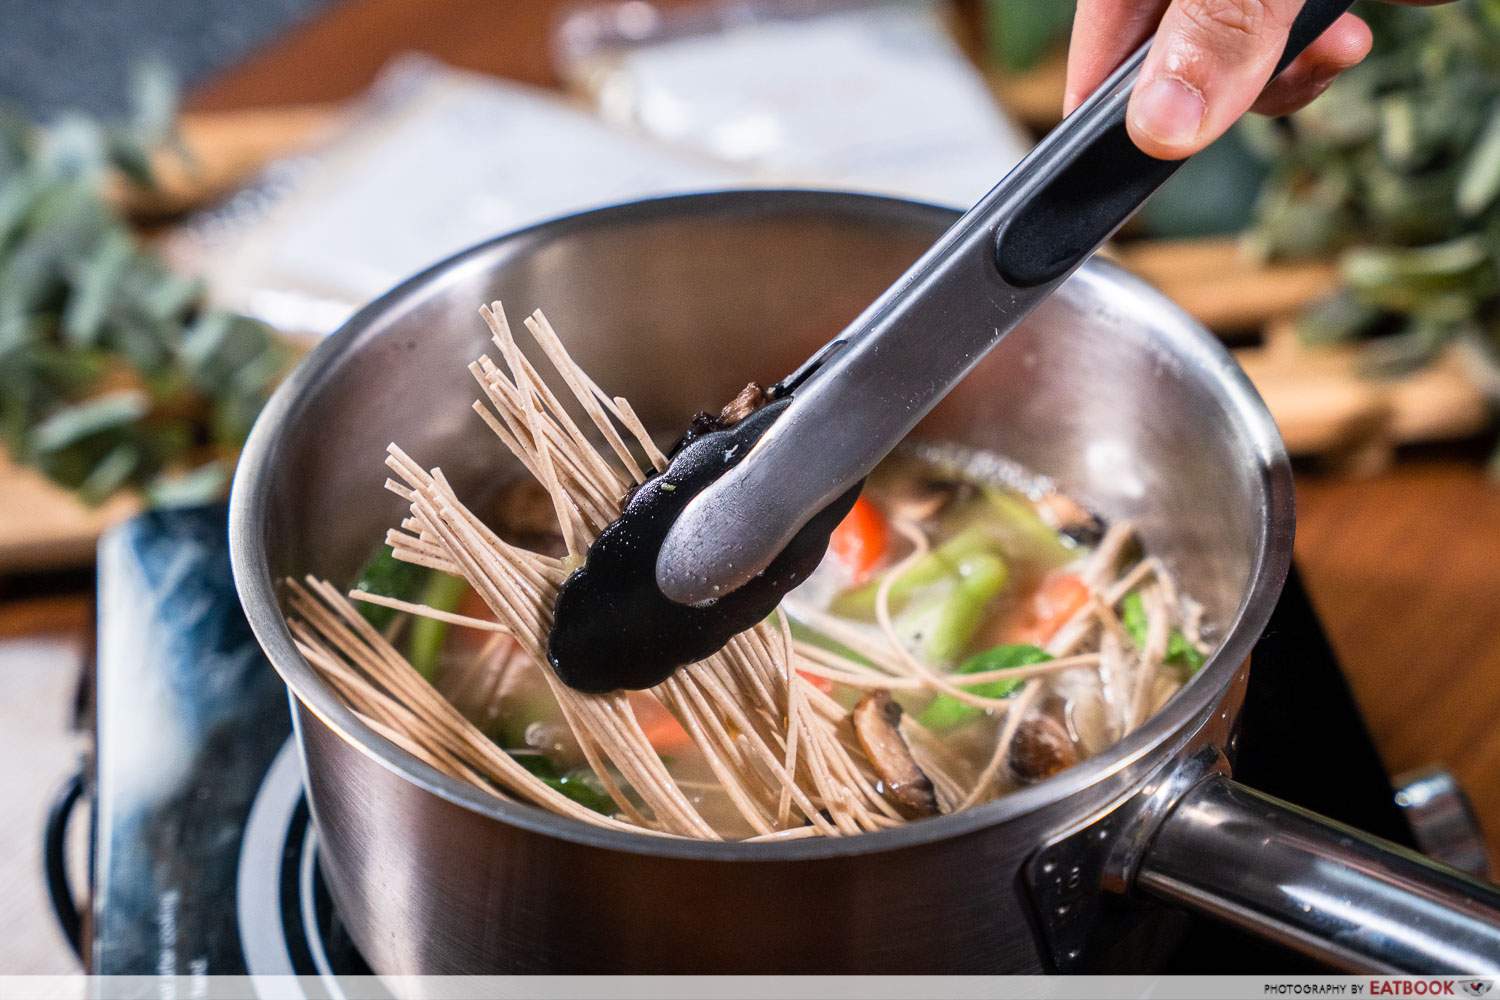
[[433, 160], [867, 96]]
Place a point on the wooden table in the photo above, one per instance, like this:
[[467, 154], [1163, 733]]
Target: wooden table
[[1404, 567]]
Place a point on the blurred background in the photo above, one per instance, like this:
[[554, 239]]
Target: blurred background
[[192, 194]]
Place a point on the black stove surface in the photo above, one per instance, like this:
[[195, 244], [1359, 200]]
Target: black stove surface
[[199, 804]]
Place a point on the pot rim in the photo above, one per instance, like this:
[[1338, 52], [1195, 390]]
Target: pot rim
[[1184, 336]]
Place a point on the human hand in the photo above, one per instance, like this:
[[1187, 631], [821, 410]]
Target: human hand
[[1209, 63]]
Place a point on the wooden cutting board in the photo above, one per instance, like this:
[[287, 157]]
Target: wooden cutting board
[[43, 527]]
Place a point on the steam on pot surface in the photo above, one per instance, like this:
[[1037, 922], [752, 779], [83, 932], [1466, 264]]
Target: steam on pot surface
[[971, 630]]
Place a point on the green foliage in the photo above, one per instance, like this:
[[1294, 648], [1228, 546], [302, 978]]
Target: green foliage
[[947, 712], [1396, 172], [1179, 653], [579, 785], [1018, 33], [114, 374]]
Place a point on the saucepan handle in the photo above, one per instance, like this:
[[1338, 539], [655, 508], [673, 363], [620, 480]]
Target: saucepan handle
[[1341, 896]]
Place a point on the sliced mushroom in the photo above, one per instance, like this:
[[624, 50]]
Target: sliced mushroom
[[877, 721], [1071, 518], [921, 499], [746, 402], [1042, 746]]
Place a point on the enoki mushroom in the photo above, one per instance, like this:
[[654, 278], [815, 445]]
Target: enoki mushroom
[[785, 754]]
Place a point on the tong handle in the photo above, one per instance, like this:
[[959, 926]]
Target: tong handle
[[1107, 177], [859, 396]]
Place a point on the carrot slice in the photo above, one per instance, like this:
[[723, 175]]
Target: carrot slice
[[660, 726], [1058, 599], [861, 539], [821, 683]]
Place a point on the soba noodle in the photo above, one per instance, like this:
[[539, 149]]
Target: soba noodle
[[784, 756]]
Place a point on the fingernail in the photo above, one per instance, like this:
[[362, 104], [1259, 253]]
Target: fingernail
[[1170, 111]]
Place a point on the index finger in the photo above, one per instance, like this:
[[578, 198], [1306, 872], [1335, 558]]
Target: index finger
[[1104, 33]]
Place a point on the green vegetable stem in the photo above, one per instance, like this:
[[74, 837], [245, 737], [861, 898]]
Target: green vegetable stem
[[388, 576], [981, 578], [1020, 531], [442, 592], [942, 562]]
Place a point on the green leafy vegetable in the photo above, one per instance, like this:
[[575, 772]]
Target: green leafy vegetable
[[1180, 652], [388, 576], [947, 712], [1184, 654], [581, 785], [200, 485]]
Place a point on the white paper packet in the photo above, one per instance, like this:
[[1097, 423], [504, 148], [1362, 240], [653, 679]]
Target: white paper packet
[[865, 96], [432, 161]]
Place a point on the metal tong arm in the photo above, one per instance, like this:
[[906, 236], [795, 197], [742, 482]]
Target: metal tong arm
[[857, 398]]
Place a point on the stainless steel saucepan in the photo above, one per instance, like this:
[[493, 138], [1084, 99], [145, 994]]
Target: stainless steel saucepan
[[675, 303]]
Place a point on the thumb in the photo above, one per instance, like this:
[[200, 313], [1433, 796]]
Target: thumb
[[1209, 61]]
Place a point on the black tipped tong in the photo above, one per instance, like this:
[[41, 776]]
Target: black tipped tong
[[742, 515]]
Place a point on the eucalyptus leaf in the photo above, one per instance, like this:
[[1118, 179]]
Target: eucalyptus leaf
[[153, 90], [1020, 34], [131, 156], [1399, 142], [83, 315], [69, 370], [1403, 353], [74, 147], [203, 339], [85, 310], [203, 484], [81, 420], [1373, 267], [17, 198], [1480, 181], [1396, 171], [111, 473], [144, 342], [1339, 318], [170, 295]]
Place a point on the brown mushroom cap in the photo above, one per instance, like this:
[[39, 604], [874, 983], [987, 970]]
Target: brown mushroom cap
[[1071, 518], [1041, 748], [877, 721], [745, 402], [922, 498]]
